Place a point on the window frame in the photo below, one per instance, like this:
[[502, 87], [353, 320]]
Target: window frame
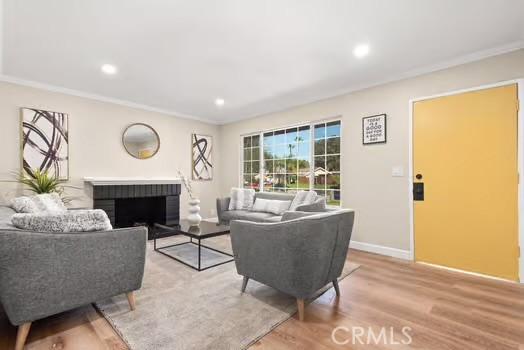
[[311, 125]]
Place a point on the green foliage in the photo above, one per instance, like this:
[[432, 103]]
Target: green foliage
[[40, 182]]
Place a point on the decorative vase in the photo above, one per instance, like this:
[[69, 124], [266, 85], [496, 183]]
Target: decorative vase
[[194, 217]]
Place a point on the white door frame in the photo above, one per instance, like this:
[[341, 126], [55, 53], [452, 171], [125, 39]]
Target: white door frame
[[520, 160]]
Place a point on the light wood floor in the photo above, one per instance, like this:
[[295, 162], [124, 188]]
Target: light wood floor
[[445, 310]]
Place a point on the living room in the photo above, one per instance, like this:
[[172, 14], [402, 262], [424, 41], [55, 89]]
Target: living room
[[246, 174]]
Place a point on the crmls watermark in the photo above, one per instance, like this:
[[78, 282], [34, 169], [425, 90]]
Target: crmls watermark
[[367, 336]]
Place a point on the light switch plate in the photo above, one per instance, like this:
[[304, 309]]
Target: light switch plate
[[397, 171]]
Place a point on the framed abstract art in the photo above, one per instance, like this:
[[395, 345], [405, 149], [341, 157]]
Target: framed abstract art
[[202, 151], [45, 142]]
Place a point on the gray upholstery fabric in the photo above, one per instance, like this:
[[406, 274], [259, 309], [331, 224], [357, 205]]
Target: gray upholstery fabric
[[291, 215], [318, 205], [42, 274], [296, 257], [247, 215], [5, 218], [275, 196], [276, 218], [223, 208]]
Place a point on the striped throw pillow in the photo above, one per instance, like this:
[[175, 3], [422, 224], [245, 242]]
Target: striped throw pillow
[[242, 199]]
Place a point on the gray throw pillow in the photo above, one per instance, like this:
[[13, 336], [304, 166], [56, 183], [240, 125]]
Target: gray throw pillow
[[318, 205], [302, 198], [69, 221]]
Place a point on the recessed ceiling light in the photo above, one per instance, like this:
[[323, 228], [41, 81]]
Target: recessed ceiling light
[[220, 102], [109, 69], [361, 50]]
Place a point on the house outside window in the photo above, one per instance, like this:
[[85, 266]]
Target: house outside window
[[305, 157]]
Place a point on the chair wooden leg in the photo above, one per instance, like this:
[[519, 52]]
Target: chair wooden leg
[[21, 335], [300, 305], [244, 284], [337, 289], [131, 300]]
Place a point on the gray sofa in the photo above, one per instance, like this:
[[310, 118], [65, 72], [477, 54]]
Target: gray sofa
[[42, 274], [225, 215], [298, 256]]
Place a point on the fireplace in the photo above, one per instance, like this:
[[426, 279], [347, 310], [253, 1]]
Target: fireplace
[[134, 202]]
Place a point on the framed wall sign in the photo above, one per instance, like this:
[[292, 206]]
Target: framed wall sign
[[374, 129]]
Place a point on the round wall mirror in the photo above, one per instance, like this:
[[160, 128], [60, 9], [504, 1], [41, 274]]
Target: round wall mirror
[[141, 141]]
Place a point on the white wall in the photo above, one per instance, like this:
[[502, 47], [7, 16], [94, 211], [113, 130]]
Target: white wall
[[95, 146], [380, 200], [1, 36]]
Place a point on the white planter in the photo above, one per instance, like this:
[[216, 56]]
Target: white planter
[[194, 217]]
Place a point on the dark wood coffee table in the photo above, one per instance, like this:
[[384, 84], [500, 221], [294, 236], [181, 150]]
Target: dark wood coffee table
[[196, 235]]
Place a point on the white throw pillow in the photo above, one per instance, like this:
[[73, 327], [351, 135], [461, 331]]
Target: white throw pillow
[[49, 202], [24, 205], [69, 221], [242, 199], [40, 203], [303, 197], [272, 206]]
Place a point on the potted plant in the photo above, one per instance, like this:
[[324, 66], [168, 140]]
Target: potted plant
[[41, 182]]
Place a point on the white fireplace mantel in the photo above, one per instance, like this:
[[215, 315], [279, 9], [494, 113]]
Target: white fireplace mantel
[[111, 181]]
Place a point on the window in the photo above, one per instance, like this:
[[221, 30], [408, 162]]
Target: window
[[286, 159], [327, 161], [251, 166], [298, 158]]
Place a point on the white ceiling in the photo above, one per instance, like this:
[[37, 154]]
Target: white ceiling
[[260, 56]]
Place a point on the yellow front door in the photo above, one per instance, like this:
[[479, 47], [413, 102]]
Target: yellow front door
[[465, 155]]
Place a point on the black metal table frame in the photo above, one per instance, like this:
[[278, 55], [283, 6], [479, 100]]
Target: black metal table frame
[[200, 246]]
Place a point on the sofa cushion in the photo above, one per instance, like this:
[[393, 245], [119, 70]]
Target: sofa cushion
[[46, 202], [279, 196], [242, 198], [246, 215], [271, 206], [5, 218], [275, 218], [72, 221], [302, 198], [291, 215], [319, 205]]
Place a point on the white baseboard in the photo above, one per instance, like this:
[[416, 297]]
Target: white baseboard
[[380, 249]]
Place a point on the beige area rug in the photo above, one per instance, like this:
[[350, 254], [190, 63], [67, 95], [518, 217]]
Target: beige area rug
[[180, 308]]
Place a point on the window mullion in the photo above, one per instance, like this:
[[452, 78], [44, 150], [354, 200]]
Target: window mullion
[[261, 168], [311, 156]]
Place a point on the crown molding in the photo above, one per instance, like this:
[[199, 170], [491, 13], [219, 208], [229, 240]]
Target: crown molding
[[464, 59], [90, 96], [476, 56]]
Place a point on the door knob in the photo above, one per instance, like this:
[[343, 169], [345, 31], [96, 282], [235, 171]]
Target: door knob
[[418, 176]]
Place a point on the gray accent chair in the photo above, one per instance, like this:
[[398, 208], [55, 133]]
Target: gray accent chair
[[297, 256], [225, 216], [42, 274]]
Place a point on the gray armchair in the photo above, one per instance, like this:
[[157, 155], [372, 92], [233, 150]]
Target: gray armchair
[[42, 274], [297, 257]]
